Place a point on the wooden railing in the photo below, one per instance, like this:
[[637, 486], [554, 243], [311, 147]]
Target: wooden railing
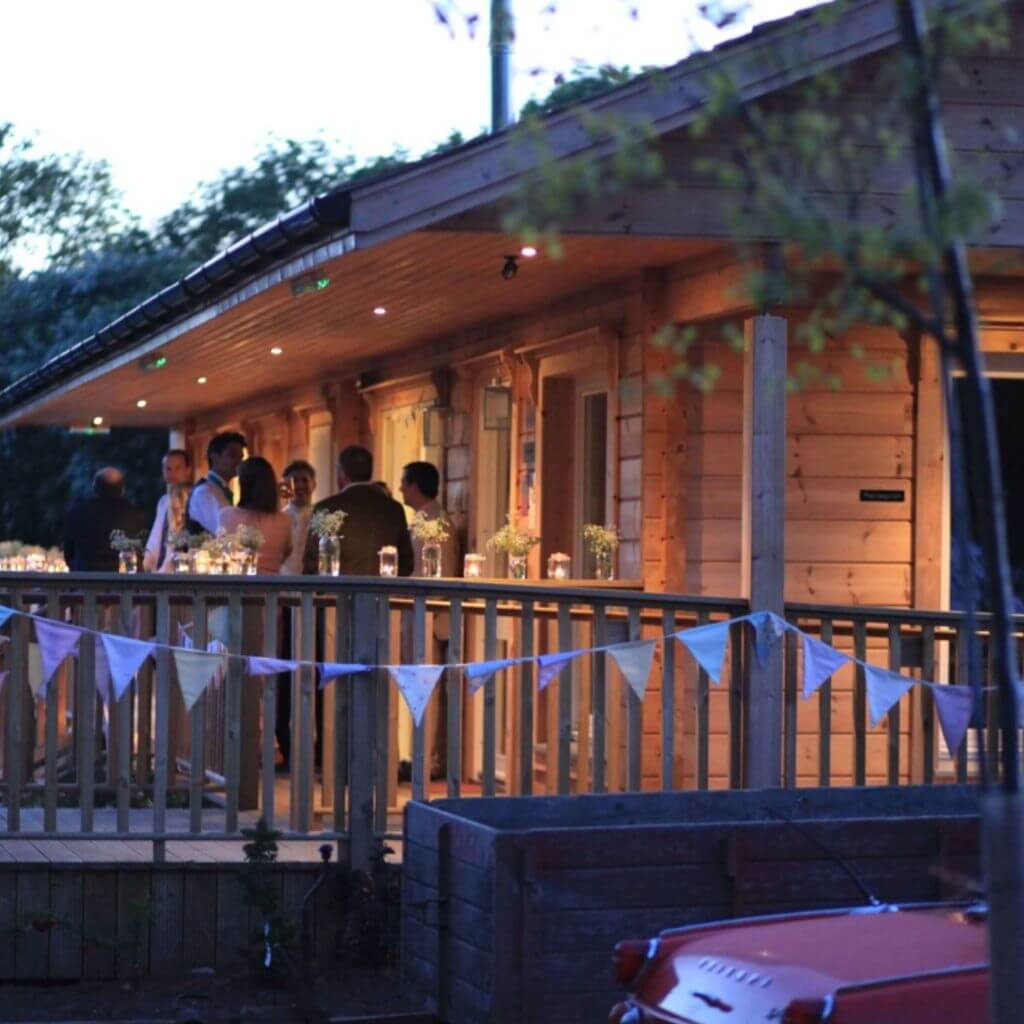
[[157, 773]]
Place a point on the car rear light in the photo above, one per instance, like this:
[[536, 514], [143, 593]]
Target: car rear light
[[807, 1011], [631, 957]]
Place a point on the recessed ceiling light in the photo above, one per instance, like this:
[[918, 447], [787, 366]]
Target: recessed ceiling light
[[97, 421], [200, 380], [142, 403], [529, 251], [276, 350], [379, 310]]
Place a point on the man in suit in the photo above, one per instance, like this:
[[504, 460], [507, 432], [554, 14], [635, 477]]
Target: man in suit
[[373, 520], [213, 492], [90, 522]]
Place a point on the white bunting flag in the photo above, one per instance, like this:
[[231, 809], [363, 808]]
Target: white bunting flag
[[634, 661], [707, 645], [953, 706], [551, 666], [331, 670], [125, 656], [195, 671], [768, 627], [480, 673], [269, 666], [416, 683], [56, 642], [820, 662], [885, 689]]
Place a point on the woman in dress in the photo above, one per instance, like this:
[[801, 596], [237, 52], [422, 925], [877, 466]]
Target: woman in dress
[[259, 507]]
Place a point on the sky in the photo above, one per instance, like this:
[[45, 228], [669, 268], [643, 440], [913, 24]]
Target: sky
[[170, 94]]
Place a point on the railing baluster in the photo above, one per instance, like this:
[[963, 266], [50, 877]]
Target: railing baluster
[[197, 726], [269, 687], [702, 723], [419, 656], [825, 717], [365, 631], [490, 694], [668, 700], [526, 698], [453, 681], [789, 737], [737, 654], [303, 711], [342, 691], [382, 687], [124, 726], [634, 719], [52, 703], [599, 700], [86, 715], [162, 681], [860, 651], [895, 663], [16, 687], [564, 684], [233, 717], [991, 712], [963, 678], [927, 705], [144, 707]]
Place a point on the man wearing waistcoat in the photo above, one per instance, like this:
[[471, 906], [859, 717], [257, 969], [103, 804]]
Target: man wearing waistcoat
[[212, 493]]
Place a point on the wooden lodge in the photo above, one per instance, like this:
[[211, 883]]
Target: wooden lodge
[[535, 396]]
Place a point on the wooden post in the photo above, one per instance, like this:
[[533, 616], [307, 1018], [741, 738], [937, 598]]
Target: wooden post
[[764, 495], [362, 738]]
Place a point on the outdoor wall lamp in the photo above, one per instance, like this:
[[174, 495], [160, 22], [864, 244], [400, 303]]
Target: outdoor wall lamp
[[435, 427], [511, 267], [497, 407]]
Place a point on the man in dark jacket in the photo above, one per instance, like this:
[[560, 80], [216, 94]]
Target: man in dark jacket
[[90, 521], [373, 520]]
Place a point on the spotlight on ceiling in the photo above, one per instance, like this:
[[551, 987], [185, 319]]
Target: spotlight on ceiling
[[529, 251], [142, 403], [511, 267]]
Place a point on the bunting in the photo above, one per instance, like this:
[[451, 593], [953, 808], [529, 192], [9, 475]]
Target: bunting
[[416, 683], [196, 669], [820, 663], [480, 673], [56, 642], [104, 685], [125, 656], [634, 661], [331, 670], [551, 665], [953, 707], [5, 614], [768, 628], [707, 645], [885, 689], [268, 666]]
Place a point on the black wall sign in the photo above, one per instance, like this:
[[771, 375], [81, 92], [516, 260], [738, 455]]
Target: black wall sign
[[882, 495]]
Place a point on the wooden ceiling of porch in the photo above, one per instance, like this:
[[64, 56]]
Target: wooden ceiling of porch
[[431, 283]]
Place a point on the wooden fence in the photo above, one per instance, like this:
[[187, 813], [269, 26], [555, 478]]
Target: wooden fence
[[155, 772]]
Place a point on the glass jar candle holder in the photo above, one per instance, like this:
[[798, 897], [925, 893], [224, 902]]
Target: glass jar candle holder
[[559, 566], [517, 566], [430, 560], [329, 550], [604, 565], [473, 566], [201, 562], [387, 561], [128, 561], [181, 562]]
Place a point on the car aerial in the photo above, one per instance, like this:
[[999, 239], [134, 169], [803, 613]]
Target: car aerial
[[882, 964]]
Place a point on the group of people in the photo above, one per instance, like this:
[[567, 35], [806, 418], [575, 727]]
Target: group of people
[[279, 509]]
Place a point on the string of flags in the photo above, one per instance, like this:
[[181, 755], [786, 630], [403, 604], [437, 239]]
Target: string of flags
[[118, 659]]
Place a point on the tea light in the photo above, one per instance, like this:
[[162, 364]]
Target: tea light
[[202, 562], [473, 566], [559, 566], [388, 556]]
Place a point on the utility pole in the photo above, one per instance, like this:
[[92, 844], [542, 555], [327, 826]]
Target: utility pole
[[502, 35]]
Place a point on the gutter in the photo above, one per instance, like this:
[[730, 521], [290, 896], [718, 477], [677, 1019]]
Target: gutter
[[312, 221]]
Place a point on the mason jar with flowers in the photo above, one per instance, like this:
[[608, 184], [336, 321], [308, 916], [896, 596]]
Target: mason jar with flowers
[[129, 551], [430, 533], [517, 545], [326, 527], [247, 543], [602, 542]]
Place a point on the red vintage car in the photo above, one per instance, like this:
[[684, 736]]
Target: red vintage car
[[871, 965]]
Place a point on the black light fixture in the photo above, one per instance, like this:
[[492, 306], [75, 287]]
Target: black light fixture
[[511, 267]]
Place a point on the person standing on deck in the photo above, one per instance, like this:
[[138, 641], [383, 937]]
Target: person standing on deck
[[420, 485], [213, 492], [176, 467], [91, 521], [300, 481]]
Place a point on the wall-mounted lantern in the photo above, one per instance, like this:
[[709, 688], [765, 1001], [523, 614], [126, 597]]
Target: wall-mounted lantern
[[497, 407]]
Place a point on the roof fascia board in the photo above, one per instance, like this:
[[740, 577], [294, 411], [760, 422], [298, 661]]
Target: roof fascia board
[[424, 196], [303, 263]]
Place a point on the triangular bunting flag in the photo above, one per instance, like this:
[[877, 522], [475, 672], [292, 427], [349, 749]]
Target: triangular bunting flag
[[331, 670], [551, 665], [125, 657], [820, 662], [104, 685], [884, 690], [56, 642], [634, 661], [35, 669], [195, 671], [480, 672], [707, 645], [768, 627], [416, 683], [5, 614], [953, 706], [269, 666]]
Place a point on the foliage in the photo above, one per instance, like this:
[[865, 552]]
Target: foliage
[[120, 541], [583, 82], [324, 524], [512, 541], [430, 530], [601, 540]]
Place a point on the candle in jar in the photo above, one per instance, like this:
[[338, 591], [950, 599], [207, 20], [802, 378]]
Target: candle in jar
[[473, 566], [388, 557], [559, 566]]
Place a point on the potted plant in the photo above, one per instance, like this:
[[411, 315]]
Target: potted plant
[[431, 533], [602, 542], [517, 545], [327, 527]]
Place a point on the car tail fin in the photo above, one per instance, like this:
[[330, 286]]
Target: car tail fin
[[631, 958]]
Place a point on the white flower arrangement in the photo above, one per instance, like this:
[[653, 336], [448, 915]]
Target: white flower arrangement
[[119, 541], [601, 540], [512, 541], [248, 538], [327, 524], [430, 531]]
